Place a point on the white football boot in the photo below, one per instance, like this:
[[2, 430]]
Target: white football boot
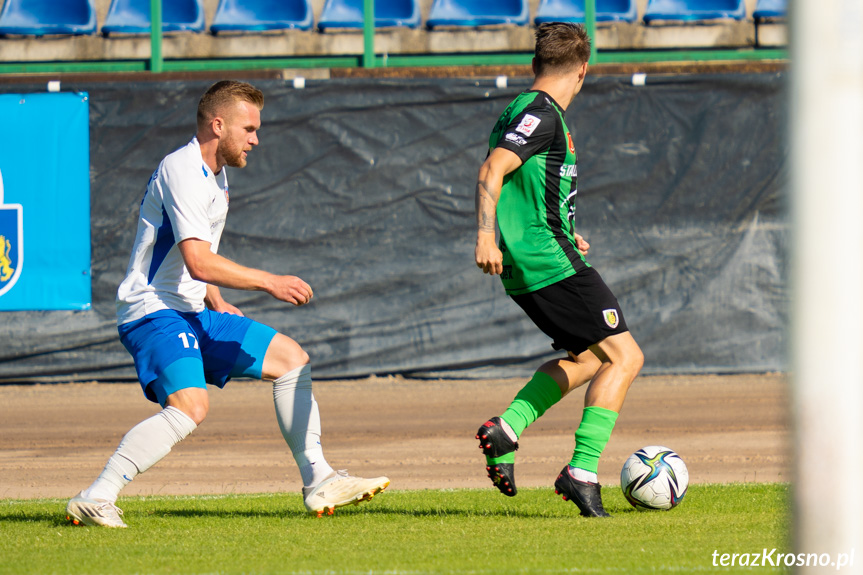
[[84, 511], [340, 489]]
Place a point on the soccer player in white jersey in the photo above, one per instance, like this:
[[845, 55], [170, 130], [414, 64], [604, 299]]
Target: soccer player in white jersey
[[183, 335]]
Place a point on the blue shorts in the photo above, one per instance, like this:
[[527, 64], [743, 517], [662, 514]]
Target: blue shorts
[[175, 350]]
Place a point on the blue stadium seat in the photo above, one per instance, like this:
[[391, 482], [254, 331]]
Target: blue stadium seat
[[133, 16], [477, 13], [260, 15], [770, 9], [388, 13], [694, 10], [41, 17], [573, 11]]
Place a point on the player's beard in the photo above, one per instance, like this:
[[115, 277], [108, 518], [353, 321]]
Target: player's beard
[[232, 153]]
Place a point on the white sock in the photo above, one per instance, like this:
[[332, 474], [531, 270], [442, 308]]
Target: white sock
[[141, 448], [300, 422], [583, 475]]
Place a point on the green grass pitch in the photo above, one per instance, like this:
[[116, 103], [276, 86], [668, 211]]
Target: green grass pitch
[[433, 531]]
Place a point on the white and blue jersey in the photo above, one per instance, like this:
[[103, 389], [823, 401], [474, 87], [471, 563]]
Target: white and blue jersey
[[175, 340], [184, 199]]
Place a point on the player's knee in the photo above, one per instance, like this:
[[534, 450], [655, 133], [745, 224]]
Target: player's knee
[[626, 355], [296, 357], [633, 360], [199, 413], [196, 408], [303, 358], [283, 355]]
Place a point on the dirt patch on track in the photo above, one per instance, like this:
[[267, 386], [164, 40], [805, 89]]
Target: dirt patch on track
[[54, 439]]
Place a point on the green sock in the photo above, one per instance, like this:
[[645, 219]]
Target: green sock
[[540, 393], [505, 458], [592, 436]]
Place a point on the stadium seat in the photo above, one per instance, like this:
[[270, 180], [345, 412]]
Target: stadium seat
[[133, 16], [41, 17], [770, 9], [694, 10], [477, 13], [388, 13], [573, 11], [260, 15]]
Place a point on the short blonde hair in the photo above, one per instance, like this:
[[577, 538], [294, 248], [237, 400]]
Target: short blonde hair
[[223, 94]]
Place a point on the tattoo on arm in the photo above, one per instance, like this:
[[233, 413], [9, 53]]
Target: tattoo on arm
[[486, 204]]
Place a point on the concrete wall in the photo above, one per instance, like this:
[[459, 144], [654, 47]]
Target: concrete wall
[[395, 41]]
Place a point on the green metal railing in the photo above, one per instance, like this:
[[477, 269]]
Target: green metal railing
[[368, 59], [590, 25], [156, 60], [369, 33]]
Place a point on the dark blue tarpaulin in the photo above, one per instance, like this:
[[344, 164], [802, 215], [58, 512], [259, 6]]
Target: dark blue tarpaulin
[[365, 189]]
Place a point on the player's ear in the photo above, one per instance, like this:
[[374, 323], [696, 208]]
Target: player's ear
[[218, 125]]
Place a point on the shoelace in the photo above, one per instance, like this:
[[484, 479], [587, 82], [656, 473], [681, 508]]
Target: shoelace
[[107, 506]]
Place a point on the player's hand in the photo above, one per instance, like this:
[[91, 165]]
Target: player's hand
[[292, 290], [225, 307], [580, 243], [488, 257], [213, 300]]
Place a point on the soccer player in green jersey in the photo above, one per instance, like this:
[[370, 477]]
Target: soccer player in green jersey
[[528, 185]]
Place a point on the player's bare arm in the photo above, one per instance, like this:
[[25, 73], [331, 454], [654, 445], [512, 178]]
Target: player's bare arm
[[489, 182], [205, 266]]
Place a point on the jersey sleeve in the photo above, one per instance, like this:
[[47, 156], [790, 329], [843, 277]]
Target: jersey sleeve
[[185, 198], [529, 133]]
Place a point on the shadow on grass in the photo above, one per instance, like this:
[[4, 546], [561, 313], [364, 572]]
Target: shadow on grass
[[377, 508], [565, 511], [350, 511], [57, 519], [224, 513]]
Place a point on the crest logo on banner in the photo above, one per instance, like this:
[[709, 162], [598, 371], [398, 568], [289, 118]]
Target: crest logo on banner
[[11, 242]]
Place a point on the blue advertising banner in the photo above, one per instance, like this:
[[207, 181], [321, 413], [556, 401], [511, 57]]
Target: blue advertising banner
[[45, 202]]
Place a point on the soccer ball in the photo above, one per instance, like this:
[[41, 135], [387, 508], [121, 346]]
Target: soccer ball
[[654, 477]]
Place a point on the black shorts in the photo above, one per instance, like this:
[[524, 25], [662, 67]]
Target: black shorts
[[575, 312]]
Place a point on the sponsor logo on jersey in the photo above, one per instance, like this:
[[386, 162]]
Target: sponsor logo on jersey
[[571, 144], [568, 171], [569, 204], [612, 319], [11, 242], [528, 124], [227, 196], [515, 139]]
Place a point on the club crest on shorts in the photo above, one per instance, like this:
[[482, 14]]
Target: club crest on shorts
[[611, 317], [11, 242]]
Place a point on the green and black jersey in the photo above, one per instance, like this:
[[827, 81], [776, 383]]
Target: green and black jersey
[[537, 201]]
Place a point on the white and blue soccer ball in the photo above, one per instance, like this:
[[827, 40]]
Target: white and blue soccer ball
[[654, 477]]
